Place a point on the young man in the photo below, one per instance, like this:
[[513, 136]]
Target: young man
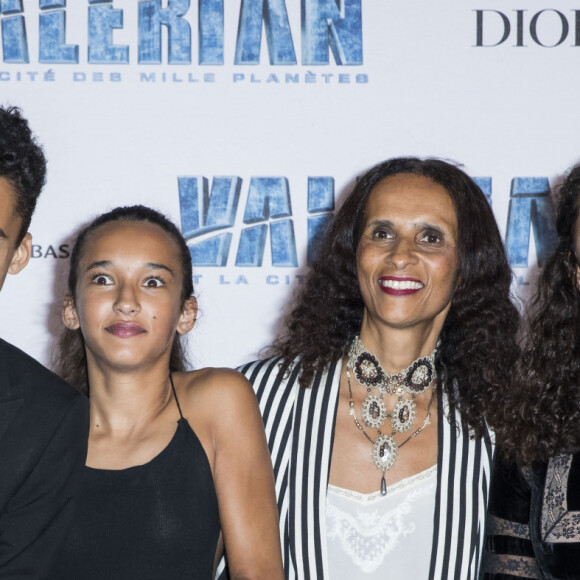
[[43, 421]]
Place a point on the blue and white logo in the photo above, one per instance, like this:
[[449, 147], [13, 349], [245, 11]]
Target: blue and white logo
[[208, 219], [326, 26]]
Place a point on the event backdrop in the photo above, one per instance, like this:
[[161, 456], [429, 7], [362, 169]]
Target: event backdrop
[[247, 121]]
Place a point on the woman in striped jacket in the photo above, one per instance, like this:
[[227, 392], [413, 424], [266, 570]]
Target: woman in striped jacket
[[379, 393]]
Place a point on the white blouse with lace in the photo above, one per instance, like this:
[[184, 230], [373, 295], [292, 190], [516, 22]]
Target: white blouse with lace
[[371, 536]]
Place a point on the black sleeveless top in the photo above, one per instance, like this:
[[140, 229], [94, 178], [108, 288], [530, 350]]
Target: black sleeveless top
[[154, 521]]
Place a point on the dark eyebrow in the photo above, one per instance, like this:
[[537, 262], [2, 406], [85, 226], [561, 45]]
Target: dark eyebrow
[[101, 264], [389, 224], [108, 263], [381, 223], [155, 266], [428, 226]]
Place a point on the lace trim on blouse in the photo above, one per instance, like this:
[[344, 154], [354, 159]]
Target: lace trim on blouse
[[392, 489], [558, 523], [372, 534]]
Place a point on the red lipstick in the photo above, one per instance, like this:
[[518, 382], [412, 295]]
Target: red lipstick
[[403, 286]]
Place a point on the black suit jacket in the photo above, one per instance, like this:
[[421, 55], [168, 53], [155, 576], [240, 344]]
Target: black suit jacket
[[43, 442]]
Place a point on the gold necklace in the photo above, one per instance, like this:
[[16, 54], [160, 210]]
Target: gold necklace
[[413, 380]]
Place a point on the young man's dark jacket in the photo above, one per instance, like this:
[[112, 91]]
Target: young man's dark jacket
[[43, 442]]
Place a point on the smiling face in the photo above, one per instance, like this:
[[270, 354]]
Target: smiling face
[[407, 257], [14, 253], [127, 300]]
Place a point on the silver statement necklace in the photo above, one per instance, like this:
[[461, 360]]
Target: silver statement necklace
[[412, 381]]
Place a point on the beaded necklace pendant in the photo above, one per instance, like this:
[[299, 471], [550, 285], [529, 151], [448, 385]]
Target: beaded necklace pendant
[[413, 381], [374, 411], [419, 376], [403, 415], [384, 452], [368, 370]]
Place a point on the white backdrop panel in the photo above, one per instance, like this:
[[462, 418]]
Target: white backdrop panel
[[432, 79]]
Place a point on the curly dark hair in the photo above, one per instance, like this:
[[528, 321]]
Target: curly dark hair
[[544, 408], [478, 341], [22, 164], [70, 356]]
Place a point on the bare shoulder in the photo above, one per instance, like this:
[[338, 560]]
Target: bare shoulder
[[220, 386]]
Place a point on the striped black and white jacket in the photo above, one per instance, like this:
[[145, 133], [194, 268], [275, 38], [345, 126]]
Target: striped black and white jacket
[[300, 428]]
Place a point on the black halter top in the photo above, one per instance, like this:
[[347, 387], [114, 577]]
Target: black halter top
[[153, 521]]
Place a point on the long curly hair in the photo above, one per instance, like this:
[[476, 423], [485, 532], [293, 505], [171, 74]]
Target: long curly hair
[[22, 163], [70, 359], [478, 341], [544, 409]]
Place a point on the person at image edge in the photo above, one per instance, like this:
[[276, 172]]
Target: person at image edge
[[43, 421]]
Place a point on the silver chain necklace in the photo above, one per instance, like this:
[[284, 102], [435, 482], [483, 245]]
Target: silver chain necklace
[[413, 380]]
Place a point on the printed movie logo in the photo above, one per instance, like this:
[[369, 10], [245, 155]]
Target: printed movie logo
[[208, 219], [268, 210], [326, 26]]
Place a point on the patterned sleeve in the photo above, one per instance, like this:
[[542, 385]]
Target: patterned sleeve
[[509, 554]]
